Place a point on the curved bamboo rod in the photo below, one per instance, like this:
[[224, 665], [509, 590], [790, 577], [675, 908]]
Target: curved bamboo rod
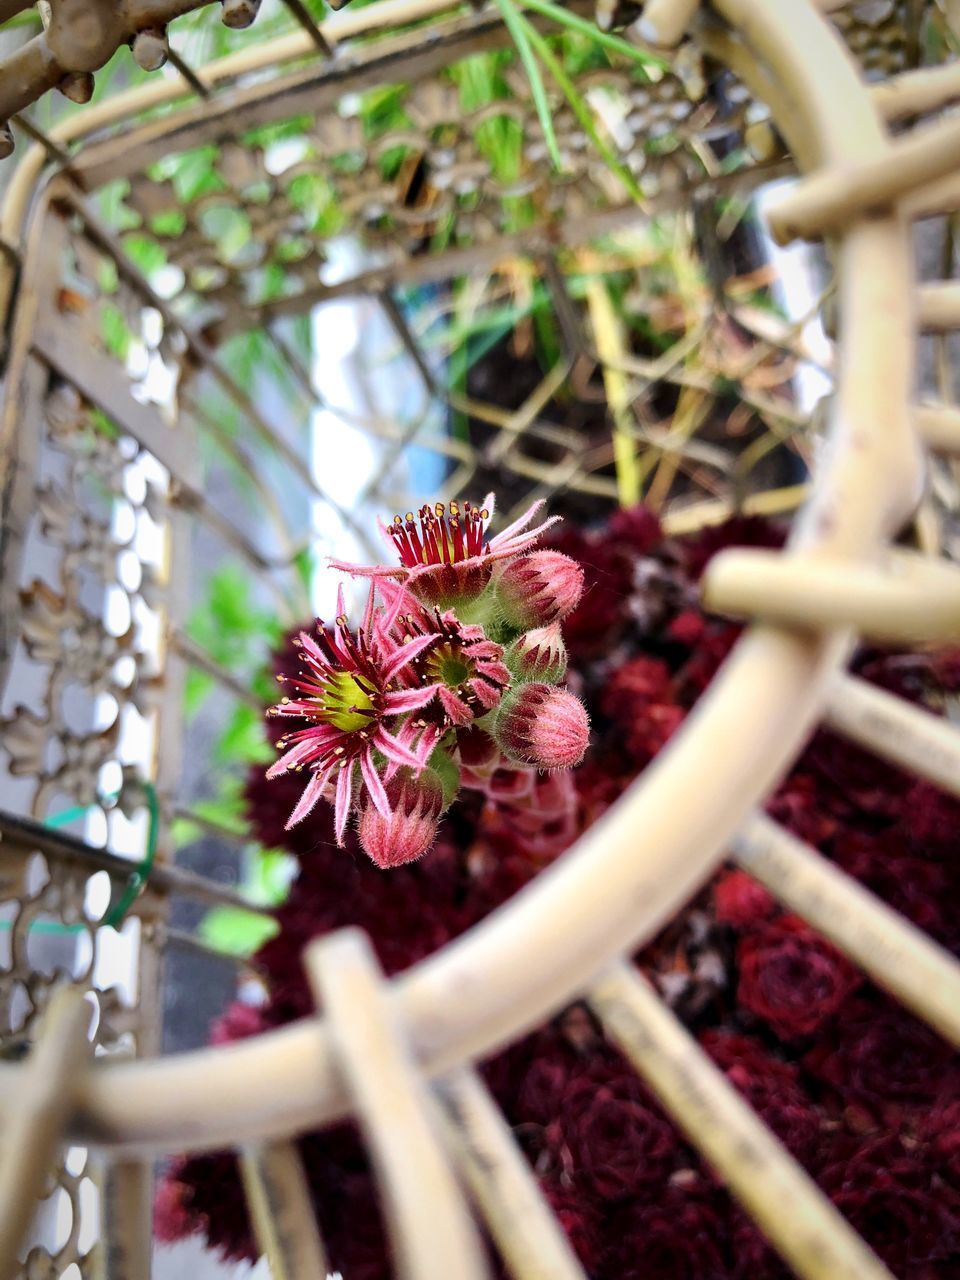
[[501, 1182], [836, 197], [892, 951], [431, 1232], [665, 22], [915, 93], [796, 1216], [40, 1108], [938, 306], [897, 731], [649, 854], [939, 425], [911, 598], [282, 1212]]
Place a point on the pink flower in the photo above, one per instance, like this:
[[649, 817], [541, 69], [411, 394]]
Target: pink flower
[[464, 667], [172, 1217], [349, 689], [444, 555], [410, 829], [540, 725], [539, 588]]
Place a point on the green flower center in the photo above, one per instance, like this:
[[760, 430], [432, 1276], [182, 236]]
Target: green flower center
[[348, 703], [447, 665]]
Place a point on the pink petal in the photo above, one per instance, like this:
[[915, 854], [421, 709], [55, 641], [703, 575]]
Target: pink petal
[[522, 542], [505, 534], [486, 649], [456, 709], [408, 699], [368, 611], [310, 746], [394, 750], [295, 707], [312, 648], [406, 653], [342, 802], [308, 800], [394, 598], [487, 694], [368, 571], [495, 670], [374, 785]]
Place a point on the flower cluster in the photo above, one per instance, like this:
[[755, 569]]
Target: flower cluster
[[457, 660], [862, 1094]]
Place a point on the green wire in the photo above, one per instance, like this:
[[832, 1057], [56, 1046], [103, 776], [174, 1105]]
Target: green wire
[[138, 877], [141, 873]]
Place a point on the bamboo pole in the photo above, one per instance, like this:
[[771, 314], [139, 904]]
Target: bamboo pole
[[608, 336], [282, 1211], [665, 22], [939, 425], [911, 598], [915, 93], [938, 306], [896, 954], [832, 199], [431, 1232], [37, 1116], [897, 731], [791, 1210], [499, 1178], [126, 1213], [699, 515]]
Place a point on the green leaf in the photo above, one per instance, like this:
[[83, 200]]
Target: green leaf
[[244, 739], [235, 931], [184, 832], [196, 689], [145, 253], [581, 110], [115, 330], [519, 30], [269, 877], [603, 38], [227, 811], [171, 222]]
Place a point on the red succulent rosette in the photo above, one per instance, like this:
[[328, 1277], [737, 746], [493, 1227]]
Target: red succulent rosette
[[791, 978]]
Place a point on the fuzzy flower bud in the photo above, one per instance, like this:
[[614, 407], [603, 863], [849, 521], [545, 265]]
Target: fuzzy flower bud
[[539, 588], [410, 830], [540, 725], [539, 655]]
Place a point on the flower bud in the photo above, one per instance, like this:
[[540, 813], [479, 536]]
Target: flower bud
[[539, 588], [539, 655], [411, 828], [540, 725]]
